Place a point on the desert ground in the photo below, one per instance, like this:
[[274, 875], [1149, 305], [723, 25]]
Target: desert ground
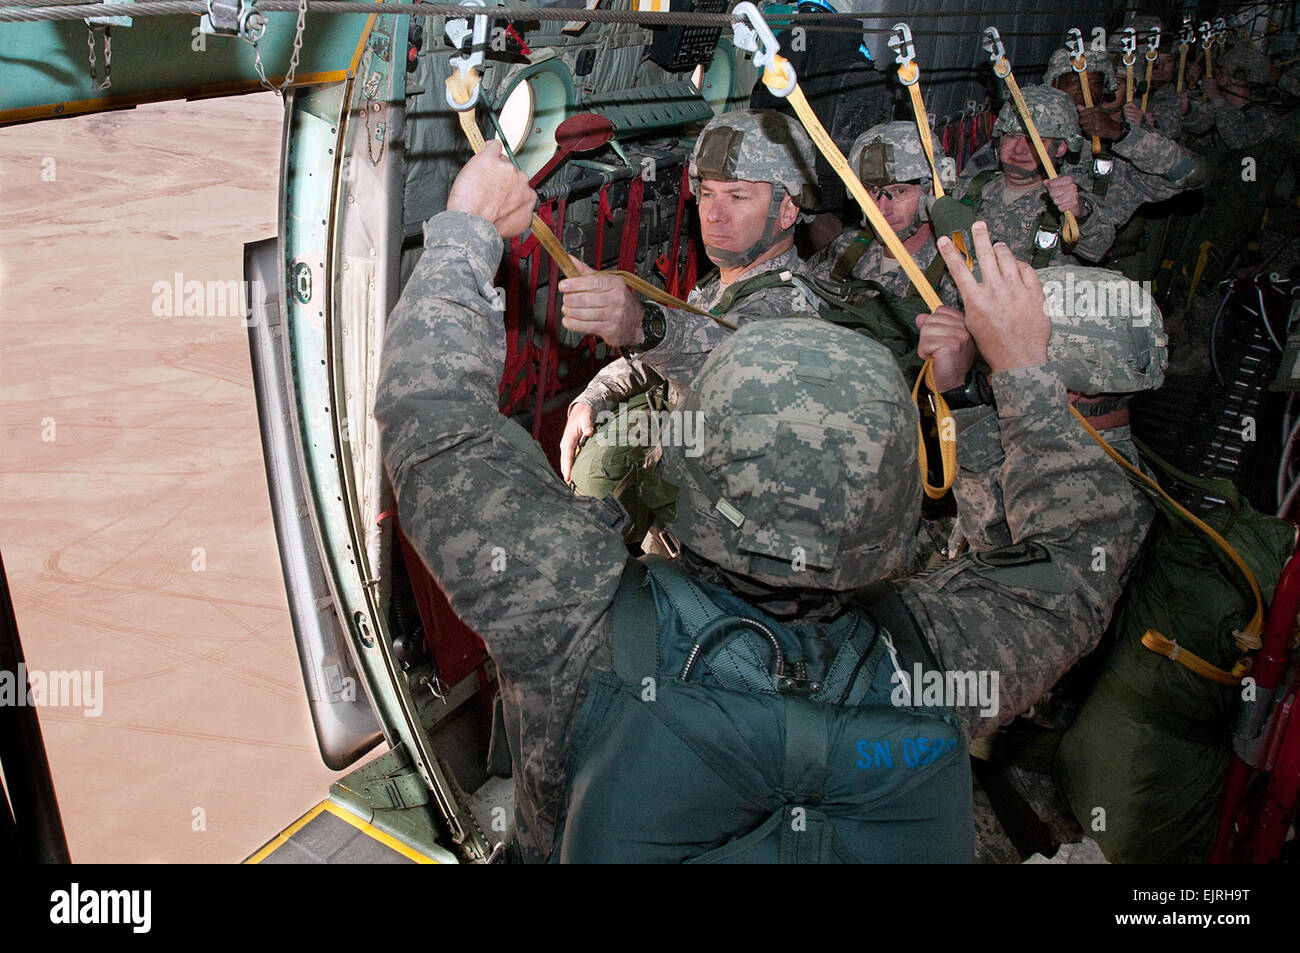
[[134, 519]]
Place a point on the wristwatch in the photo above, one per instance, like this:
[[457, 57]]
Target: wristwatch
[[654, 325], [976, 391]]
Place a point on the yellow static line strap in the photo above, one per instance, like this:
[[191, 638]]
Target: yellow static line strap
[[947, 434], [1070, 229], [1128, 81], [1146, 93], [1182, 68], [1171, 650], [776, 78], [329, 807], [1249, 638], [462, 90], [1087, 99], [923, 129]]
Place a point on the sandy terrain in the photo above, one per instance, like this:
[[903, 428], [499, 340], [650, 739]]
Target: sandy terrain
[[138, 540]]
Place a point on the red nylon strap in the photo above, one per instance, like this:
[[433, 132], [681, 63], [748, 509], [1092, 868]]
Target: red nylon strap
[[674, 247], [631, 226], [548, 364]]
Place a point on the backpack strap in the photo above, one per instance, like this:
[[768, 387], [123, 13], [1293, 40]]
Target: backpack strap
[[741, 290], [635, 650], [1048, 221], [883, 605], [938, 268], [975, 191], [849, 258]]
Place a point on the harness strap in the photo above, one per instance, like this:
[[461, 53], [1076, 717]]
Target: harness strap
[[849, 258], [635, 651]]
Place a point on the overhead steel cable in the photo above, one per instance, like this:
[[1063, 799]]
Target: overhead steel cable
[[40, 10]]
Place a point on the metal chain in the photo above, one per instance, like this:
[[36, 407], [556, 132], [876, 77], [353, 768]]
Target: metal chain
[[293, 59], [108, 56], [383, 143]]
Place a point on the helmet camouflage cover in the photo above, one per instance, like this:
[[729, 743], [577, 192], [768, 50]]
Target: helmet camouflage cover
[[1107, 333], [808, 472], [891, 152], [1245, 64], [1097, 62], [1053, 112], [757, 145]]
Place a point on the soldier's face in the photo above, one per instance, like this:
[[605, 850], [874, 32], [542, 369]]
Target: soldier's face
[[1069, 83], [898, 203], [1163, 69], [733, 215]]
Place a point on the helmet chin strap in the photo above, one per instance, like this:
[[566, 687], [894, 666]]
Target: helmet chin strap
[[772, 235]]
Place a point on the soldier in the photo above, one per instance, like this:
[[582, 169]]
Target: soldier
[[1024, 208], [1139, 165], [1240, 122], [752, 172], [891, 163], [811, 443]]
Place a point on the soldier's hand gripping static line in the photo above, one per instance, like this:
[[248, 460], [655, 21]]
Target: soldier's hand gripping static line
[[1004, 310], [491, 187]]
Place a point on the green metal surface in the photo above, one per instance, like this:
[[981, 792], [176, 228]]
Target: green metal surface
[[45, 68], [648, 109]]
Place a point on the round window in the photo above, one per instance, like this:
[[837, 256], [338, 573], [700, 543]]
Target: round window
[[516, 116]]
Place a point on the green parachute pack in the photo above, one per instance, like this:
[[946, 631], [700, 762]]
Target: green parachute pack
[[1143, 764], [724, 736]]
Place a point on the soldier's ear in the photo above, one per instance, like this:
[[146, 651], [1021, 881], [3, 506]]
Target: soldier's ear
[[1060, 149], [788, 213]]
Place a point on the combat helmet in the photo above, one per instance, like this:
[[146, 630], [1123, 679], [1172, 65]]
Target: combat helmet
[[808, 475], [1107, 333], [891, 152], [1246, 64], [757, 145], [1096, 61], [1053, 113]]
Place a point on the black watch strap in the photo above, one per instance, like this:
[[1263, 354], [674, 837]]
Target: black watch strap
[[975, 392], [654, 325]]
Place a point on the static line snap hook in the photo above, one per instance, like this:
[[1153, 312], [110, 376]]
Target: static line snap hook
[[905, 54], [1074, 46], [1128, 44], [1207, 34], [756, 37], [996, 51], [1186, 37], [465, 64], [1220, 31], [1153, 43]]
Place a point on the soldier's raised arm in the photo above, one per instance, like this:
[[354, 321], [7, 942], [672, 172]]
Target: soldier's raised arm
[[524, 562], [1029, 610]]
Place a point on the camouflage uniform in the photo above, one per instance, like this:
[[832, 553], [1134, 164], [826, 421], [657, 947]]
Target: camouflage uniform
[[1012, 215], [752, 144], [468, 481], [690, 337], [1250, 125], [1149, 167], [1111, 350], [907, 163], [1096, 61]]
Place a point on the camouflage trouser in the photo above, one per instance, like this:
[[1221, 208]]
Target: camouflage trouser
[[609, 462]]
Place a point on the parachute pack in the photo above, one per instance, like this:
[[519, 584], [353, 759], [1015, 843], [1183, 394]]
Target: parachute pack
[[718, 718]]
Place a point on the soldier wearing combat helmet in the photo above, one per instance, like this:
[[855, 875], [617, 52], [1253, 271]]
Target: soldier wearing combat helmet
[[890, 161], [752, 173], [1020, 204], [1240, 122], [802, 449]]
